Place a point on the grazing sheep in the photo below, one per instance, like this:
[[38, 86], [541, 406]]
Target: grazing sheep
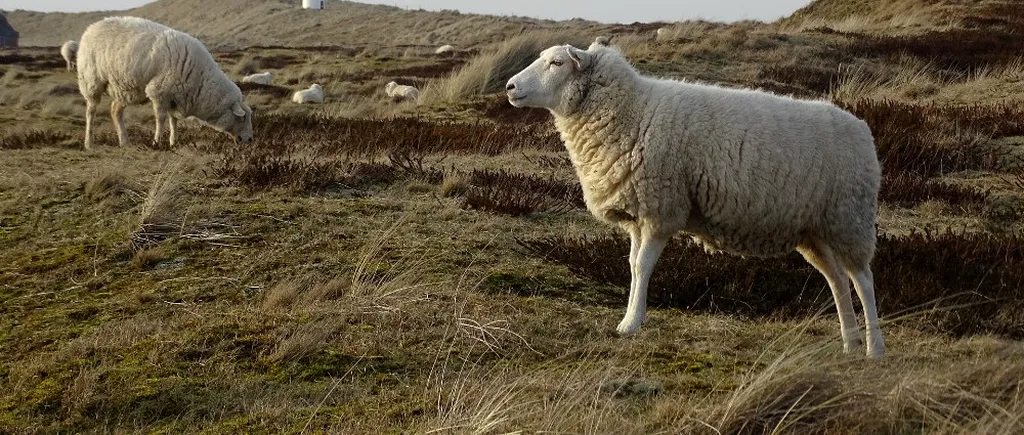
[[69, 51], [663, 34], [135, 60], [445, 49], [315, 94], [740, 171], [264, 78], [399, 92]]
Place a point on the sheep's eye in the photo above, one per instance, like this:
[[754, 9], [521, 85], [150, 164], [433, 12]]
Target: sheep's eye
[[556, 63]]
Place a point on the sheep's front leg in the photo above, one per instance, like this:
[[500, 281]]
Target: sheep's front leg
[[647, 250], [161, 118], [172, 124]]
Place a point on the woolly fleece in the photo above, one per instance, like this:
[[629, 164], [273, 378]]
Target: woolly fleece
[[69, 51], [740, 171], [135, 60], [315, 94]]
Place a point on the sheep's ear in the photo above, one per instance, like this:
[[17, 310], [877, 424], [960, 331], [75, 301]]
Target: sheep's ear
[[603, 41], [238, 110], [579, 57]]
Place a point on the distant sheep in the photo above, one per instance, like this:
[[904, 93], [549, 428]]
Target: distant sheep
[[445, 49], [399, 92], [315, 94], [740, 171], [69, 51], [136, 60], [264, 78], [664, 34]]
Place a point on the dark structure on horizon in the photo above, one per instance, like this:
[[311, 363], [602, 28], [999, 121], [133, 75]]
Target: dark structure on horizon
[[8, 36]]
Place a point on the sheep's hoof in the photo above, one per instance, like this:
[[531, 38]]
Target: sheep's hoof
[[629, 326], [853, 345], [876, 348]]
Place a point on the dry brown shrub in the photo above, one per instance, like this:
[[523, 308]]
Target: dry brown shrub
[[907, 189], [271, 90], [33, 139], [514, 194], [815, 79], [930, 140], [952, 283]]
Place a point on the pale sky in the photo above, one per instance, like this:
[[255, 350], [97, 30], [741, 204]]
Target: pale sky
[[623, 11]]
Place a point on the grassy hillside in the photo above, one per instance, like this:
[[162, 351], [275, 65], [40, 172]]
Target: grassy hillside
[[277, 22], [899, 16], [371, 266]]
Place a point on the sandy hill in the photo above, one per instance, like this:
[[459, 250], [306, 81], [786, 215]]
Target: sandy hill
[[888, 16], [283, 22]]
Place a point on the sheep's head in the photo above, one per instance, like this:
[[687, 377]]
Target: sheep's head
[[235, 119], [551, 81]]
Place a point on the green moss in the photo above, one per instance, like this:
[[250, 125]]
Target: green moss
[[54, 258], [46, 395]]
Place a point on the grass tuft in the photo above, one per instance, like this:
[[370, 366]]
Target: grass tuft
[[488, 72], [160, 216]]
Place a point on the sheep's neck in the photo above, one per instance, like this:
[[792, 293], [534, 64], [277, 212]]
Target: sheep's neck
[[602, 146], [206, 108]]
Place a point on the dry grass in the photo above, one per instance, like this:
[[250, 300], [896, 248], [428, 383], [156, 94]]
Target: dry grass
[[888, 17], [908, 80], [161, 213], [327, 278], [687, 31]]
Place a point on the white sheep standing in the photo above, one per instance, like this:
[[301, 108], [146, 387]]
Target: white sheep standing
[[69, 52], [741, 171], [315, 94], [663, 34], [445, 49], [263, 78], [135, 60], [399, 92]]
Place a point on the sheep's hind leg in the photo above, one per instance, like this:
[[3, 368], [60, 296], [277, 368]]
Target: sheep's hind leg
[[821, 257], [647, 250], [117, 114], [90, 118], [863, 281]]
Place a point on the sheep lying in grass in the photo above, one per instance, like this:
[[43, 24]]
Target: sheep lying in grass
[[69, 51], [264, 78], [740, 171], [399, 92], [445, 49], [315, 94], [135, 60]]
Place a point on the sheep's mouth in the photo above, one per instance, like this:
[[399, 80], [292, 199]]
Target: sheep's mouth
[[514, 99]]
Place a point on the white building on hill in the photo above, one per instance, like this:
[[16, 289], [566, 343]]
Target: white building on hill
[[313, 4]]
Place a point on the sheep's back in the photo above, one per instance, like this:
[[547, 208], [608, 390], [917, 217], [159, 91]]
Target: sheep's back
[[760, 172], [127, 53]]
